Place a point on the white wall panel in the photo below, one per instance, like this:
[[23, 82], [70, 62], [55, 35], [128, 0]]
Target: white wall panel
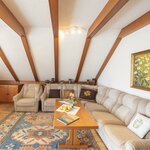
[[42, 47], [4, 72], [13, 48], [117, 71], [71, 47], [97, 52]]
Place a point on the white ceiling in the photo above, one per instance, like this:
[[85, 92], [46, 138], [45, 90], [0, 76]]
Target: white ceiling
[[34, 15]]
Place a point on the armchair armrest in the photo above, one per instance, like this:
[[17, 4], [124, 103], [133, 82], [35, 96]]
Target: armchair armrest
[[18, 96], [141, 144], [43, 96]]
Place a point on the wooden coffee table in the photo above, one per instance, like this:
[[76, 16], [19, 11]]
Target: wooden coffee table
[[85, 122]]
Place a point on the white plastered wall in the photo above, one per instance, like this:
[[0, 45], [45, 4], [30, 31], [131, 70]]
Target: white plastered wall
[[117, 71]]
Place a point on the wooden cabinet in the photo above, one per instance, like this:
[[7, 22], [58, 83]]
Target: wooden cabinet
[[7, 92]]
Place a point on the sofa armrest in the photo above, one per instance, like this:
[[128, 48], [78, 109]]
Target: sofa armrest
[[141, 144], [18, 96]]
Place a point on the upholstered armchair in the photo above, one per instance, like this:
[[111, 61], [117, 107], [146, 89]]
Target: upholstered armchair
[[52, 92], [28, 98]]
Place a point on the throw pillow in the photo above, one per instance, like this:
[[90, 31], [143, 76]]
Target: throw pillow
[[66, 93], [54, 93], [88, 94], [140, 125]]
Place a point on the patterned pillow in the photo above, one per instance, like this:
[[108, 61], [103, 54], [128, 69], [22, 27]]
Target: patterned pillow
[[140, 125], [54, 93], [88, 94], [66, 93]]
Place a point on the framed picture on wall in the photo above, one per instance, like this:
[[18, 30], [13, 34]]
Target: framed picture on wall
[[140, 70]]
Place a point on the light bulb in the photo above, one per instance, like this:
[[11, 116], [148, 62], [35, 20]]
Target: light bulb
[[79, 31]]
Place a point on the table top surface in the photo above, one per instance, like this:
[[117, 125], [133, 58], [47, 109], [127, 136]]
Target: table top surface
[[85, 119]]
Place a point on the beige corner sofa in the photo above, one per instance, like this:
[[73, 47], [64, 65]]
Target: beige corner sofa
[[113, 111], [28, 98]]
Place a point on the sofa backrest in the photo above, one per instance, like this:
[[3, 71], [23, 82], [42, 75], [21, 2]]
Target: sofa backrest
[[70, 87], [101, 92], [30, 90], [144, 108], [86, 86], [111, 98], [126, 107], [48, 87]]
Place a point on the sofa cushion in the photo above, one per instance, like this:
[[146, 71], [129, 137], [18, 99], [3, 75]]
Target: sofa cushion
[[111, 98], [90, 106], [54, 93], [101, 93], [49, 102], [26, 102], [88, 94], [119, 134], [66, 93], [103, 118], [140, 125], [126, 107]]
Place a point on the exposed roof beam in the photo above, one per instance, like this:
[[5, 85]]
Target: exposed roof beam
[[29, 56], [132, 27], [10, 20], [7, 16], [136, 25], [86, 46], [110, 9], [5, 60], [53, 4]]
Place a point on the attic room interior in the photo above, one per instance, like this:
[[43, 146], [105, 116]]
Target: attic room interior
[[75, 74]]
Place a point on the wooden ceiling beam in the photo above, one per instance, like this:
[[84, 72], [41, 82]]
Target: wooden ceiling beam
[[7, 16], [29, 56], [53, 5], [10, 20], [110, 9], [8, 65], [84, 53], [136, 25], [132, 27]]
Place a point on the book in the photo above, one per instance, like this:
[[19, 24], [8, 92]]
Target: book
[[67, 118]]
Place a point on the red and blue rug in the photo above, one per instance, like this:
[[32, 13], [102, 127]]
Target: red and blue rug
[[30, 131]]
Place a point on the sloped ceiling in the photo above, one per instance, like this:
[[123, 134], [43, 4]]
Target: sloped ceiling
[[34, 15]]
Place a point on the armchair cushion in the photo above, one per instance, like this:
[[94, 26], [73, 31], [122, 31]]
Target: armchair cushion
[[54, 93], [26, 102], [49, 102]]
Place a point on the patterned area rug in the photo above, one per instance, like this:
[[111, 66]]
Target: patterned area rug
[[28, 131]]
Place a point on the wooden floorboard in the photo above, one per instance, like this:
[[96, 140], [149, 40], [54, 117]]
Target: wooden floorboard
[[6, 109]]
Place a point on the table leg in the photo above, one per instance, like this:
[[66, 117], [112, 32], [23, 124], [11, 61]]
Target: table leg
[[72, 141]]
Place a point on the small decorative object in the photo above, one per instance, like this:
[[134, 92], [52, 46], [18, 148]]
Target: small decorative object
[[140, 70], [47, 81], [87, 81], [72, 99], [70, 81], [52, 80]]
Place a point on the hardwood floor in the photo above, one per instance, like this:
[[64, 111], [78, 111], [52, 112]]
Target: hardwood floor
[[5, 109]]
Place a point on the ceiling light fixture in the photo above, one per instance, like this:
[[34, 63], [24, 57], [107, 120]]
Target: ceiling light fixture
[[72, 30]]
